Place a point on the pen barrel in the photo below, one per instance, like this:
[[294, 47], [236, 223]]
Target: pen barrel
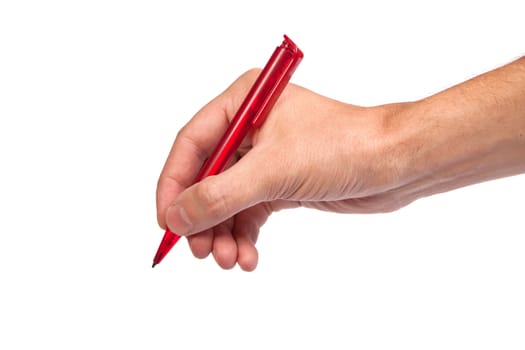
[[252, 112], [256, 106]]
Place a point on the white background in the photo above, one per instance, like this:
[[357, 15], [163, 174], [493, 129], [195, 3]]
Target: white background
[[92, 94]]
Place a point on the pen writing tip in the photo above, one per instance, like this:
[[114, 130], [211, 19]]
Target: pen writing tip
[[152, 266]]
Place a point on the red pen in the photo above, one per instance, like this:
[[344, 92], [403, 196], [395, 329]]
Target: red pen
[[252, 113]]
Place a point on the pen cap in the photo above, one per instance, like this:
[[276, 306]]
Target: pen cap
[[274, 77]]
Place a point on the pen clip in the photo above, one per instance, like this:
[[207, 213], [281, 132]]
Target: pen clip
[[277, 74]]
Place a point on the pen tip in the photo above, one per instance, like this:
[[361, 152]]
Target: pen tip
[[152, 266]]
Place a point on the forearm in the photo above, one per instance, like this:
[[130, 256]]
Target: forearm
[[470, 133]]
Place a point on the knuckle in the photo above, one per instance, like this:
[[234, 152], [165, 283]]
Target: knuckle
[[248, 78], [251, 74], [213, 199]]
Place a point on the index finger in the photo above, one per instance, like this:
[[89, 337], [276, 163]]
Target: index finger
[[195, 142]]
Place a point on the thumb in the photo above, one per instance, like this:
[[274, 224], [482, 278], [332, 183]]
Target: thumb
[[219, 197]]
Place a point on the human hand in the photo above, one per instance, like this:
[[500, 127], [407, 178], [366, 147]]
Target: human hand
[[320, 153], [312, 151]]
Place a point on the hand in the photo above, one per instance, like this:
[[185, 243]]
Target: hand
[[320, 153], [312, 151]]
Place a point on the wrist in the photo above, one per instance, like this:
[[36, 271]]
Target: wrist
[[451, 140]]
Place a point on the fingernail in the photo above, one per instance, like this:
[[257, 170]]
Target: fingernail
[[178, 220]]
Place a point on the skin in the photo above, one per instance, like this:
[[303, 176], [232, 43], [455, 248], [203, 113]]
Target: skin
[[321, 153]]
